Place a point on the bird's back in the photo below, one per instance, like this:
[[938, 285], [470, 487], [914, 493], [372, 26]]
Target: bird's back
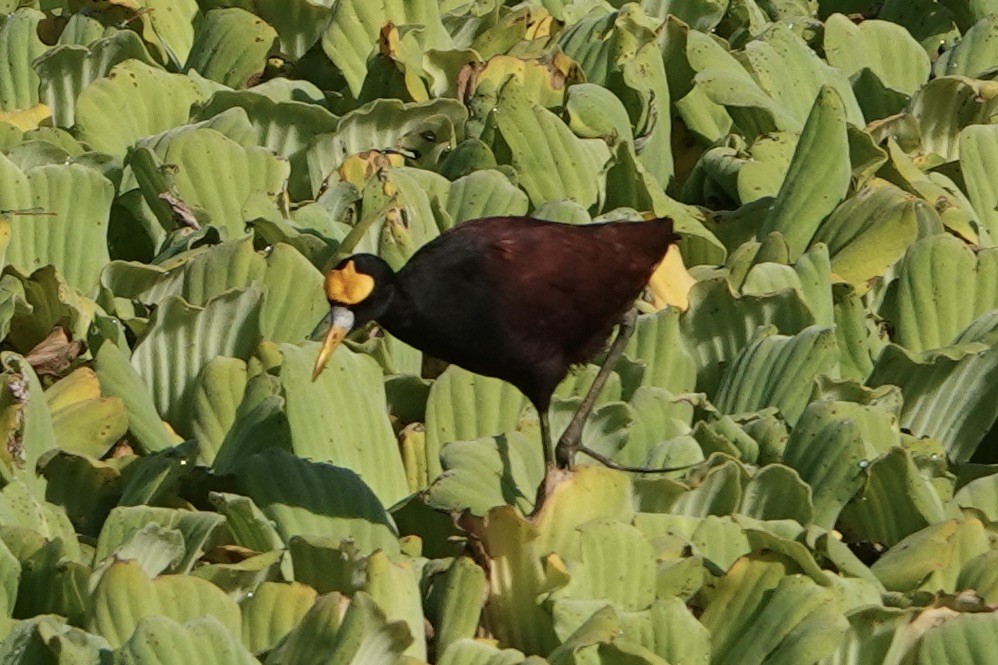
[[530, 297]]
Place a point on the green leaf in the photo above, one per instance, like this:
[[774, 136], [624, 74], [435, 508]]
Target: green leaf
[[50, 639], [761, 612], [340, 631], [463, 407], [341, 417], [485, 193], [942, 286], [70, 231], [150, 101], [27, 425], [817, 178], [462, 595], [312, 498], [550, 161], [210, 173], [64, 71], [182, 339], [486, 472], [283, 121], [886, 49], [832, 444], [231, 47], [869, 232], [895, 501], [198, 529], [721, 323], [125, 596], [967, 636], [947, 393], [273, 611], [978, 154], [352, 35], [777, 371], [119, 379], [159, 640], [20, 44], [215, 398], [946, 105]]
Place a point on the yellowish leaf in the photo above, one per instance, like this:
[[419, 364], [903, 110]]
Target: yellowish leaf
[[28, 119]]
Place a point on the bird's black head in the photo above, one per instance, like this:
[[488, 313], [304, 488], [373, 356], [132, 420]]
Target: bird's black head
[[362, 283], [359, 289]]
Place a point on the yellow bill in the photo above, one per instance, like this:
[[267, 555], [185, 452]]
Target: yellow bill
[[339, 326]]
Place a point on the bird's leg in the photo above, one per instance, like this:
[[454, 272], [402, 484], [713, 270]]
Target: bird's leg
[[570, 441], [544, 489], [546, 437]]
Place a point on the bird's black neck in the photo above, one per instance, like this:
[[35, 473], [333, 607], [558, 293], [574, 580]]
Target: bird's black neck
[[400, 317]]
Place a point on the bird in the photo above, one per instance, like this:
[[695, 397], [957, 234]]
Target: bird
[[516, 298]]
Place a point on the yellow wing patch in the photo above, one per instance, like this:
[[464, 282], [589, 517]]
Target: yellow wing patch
[[670, 284], [347, 286]]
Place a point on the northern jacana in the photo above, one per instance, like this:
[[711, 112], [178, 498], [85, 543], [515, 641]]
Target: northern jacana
[[511, 297]]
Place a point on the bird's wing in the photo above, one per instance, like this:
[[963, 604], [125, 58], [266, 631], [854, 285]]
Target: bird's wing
[[565, 287]]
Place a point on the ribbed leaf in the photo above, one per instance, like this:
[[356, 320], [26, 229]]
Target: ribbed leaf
[[931, 559], [967, 639], [484, 193], [869, 232], [249, 526], [294, 301], [942, 286], [49, 638], [26, 424], [159, 640], [895, 501], [463, 407], [474, 652], [150, 100], [482, 473], [352, 35], [212, 174], [777, 371], [721, 323], [311, 498], [231, 47], [216, 396], [948, 394], [886, 49], [339, 631], [119, 379], [818, 175], [69, 68], [283, 122], [946, 105], [395, 587], [760, 612], [832, 444], [71, 232], [462, 595], [183, 338], [975, 53], [272, 612], [196, 527], [978, 157], [551, 162], [342, 417], [125, 596], [19, 46]]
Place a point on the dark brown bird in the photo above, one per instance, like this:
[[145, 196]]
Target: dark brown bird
[[510, 297]]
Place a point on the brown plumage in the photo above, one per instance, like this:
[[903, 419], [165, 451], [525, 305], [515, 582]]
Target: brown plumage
[[511, 297]]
